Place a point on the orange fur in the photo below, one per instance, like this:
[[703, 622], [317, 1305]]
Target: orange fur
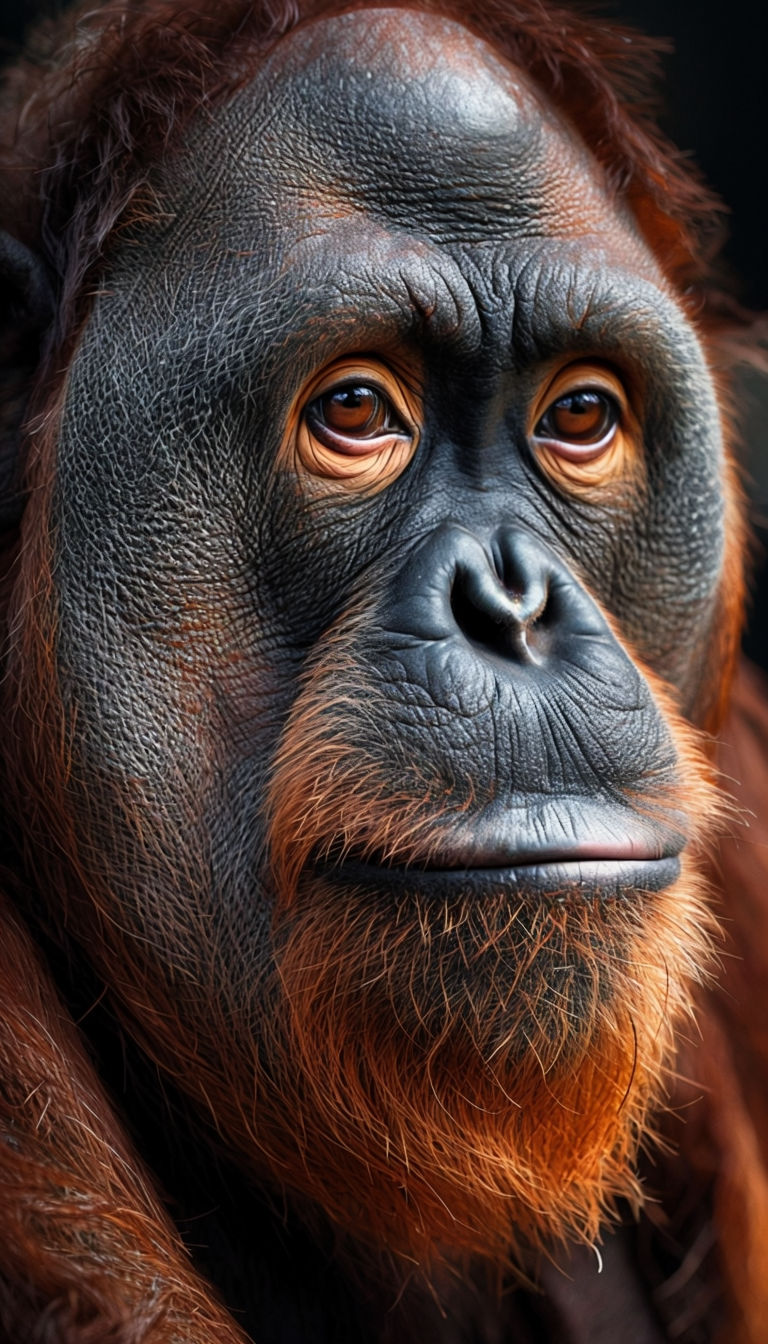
[[728, 1057], [450, 1089], [86, 1252]]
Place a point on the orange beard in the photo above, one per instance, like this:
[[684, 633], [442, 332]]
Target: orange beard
[[464, 1076], [476, 1078]]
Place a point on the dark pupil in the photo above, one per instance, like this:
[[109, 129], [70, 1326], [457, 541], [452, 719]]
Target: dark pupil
[[581, 415], [352, 410]]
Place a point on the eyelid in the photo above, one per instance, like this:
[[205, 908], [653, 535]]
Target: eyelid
[[587, 468], [579, 376], [361, 464], [380, 373], [354, 374]]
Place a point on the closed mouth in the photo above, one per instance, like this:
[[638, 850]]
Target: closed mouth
[[560, 876]]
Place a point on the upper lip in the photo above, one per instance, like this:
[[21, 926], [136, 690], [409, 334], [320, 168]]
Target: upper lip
[[545, 831]]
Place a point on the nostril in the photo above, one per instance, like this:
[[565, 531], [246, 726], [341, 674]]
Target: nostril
[[495, 619], [475, 622]]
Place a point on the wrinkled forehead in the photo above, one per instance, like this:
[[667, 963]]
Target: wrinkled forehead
[[410, 116], [405, 101]]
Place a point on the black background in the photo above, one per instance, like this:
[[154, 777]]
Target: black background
[[714, 98]]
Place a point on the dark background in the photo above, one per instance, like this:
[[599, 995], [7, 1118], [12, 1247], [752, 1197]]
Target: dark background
[[714, 108]]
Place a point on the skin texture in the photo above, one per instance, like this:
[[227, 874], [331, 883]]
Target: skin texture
[[384, 794], [184, 625]]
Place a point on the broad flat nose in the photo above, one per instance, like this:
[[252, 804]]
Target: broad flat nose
[[504, 597]]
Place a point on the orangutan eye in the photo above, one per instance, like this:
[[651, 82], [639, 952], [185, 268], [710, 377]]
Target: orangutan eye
[[353, 418], [580, 425], [583, 431], [355, 425]]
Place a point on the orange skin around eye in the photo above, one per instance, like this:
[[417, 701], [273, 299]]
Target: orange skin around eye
[[361, 448], [564, 448]]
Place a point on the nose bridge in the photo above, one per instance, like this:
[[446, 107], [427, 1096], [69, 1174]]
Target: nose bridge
[[516, 578]]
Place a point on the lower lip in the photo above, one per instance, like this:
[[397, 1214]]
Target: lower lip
[[558, 881]]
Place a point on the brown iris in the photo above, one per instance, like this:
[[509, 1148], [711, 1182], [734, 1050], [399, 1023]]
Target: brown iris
[[354, 412], [581, 417]]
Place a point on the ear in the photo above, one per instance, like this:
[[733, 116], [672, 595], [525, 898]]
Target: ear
[[26, 313]]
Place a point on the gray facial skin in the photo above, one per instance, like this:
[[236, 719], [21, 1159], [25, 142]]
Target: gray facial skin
[[416, 196], [384, 185], [456, 690]]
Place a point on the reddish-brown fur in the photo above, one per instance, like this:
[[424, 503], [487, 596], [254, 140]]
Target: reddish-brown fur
[[495, 1163], [80, 1231], [87, 1255]]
